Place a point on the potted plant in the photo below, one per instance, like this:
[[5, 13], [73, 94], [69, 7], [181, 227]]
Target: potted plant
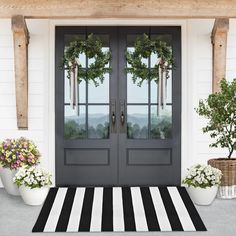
[[33, 183], [15, 153], [202, 183], [220, 110]]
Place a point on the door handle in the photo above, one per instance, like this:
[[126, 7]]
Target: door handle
[[113, 118], [122, 118], [122, 112], [113, 115]]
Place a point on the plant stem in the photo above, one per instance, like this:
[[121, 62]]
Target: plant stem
[[230, 153]]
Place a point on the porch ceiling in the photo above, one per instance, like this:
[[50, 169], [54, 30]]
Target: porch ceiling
[[118, 8]]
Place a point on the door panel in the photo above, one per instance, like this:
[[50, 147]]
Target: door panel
[[118, 138], [149, 143], [86, 147]]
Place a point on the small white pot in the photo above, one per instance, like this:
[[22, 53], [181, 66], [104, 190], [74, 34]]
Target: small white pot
[[202, 196], [7, 181], [35, 196]]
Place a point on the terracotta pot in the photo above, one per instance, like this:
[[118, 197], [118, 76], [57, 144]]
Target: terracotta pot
[[227, 189], [202, 196], [7, 181], [35, 196]]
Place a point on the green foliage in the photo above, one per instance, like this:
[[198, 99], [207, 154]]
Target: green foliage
[[144, 47], [134, 131], [220, 110], [162, 130], [74, 130], [92, 48]]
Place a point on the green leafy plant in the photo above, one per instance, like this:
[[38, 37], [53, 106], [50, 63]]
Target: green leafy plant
[[220, 110], [92, 48], [143, 48]]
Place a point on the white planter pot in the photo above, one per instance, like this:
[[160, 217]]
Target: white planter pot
[[7, 181], [202, 196], [35, 196]]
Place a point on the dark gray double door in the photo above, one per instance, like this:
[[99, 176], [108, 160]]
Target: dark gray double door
[[118, 138]]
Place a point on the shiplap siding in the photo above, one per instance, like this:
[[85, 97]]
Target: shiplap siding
[[199, 38], [198, 70], [38, 76]]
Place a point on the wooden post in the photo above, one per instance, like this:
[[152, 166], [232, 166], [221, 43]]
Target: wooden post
[[21, 41], [219, 42]]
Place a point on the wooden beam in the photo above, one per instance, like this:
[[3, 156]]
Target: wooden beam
[[219, 43], [119, 8], [21, 41]]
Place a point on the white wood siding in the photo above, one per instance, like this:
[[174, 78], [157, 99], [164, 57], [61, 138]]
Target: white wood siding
[[197, 66], [199, 32], [38, 76]]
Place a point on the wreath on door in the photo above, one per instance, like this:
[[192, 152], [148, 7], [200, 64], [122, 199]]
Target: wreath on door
[[143, 48], [94, 72]]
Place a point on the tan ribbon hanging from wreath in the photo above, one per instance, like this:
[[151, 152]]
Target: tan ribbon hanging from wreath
[[162, 85], [74, 87]]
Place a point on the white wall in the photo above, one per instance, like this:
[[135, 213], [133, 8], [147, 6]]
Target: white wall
[[38, 93], [197, 77], [200, 58]]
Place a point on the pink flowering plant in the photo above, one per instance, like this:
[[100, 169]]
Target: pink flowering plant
[[15, 153]]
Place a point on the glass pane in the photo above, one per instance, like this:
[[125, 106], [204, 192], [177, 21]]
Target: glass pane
[[106, 44], [161, 125], [137, 122], [168, 90], [131, 39], [99, 94], [153, 61], [136, 94], [81, 87], [74, 127], [72, 37], [98, 122]]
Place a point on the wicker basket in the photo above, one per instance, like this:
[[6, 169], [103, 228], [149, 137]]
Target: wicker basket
[[228, 181]]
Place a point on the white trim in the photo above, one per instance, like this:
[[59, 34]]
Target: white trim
[[186, 142]]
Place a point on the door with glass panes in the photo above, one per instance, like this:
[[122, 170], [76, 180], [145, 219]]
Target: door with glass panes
[[117, 137]]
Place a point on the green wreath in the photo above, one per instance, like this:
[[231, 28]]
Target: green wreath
[[92, 48], [143, 48]]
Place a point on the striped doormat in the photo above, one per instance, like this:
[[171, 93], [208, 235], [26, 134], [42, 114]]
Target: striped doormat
[[118, 209]]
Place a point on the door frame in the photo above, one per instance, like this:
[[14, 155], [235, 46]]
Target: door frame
[[186, 87]]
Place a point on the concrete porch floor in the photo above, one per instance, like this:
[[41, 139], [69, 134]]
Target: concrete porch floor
[[16, 218]]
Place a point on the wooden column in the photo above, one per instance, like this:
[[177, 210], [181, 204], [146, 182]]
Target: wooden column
[[219, 43], [21, 41]]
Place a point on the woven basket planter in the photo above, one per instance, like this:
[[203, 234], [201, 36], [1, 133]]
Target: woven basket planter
[[227, 189]]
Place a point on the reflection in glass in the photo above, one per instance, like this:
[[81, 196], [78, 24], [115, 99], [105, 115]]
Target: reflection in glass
[[98, 122], [99, 94], [136, 94], [137, 122], [161, 126], [74, 126]]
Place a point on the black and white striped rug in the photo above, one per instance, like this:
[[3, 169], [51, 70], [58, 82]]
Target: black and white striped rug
[[118, 209]]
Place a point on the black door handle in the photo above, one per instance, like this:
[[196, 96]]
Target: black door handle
[[122, 118], [113, 118]]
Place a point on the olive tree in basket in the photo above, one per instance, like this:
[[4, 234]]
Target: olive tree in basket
[[220, 110]]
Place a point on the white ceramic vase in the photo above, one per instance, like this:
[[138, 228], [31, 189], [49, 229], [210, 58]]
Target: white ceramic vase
[[35, 196], [202, 196], [7, 181]]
